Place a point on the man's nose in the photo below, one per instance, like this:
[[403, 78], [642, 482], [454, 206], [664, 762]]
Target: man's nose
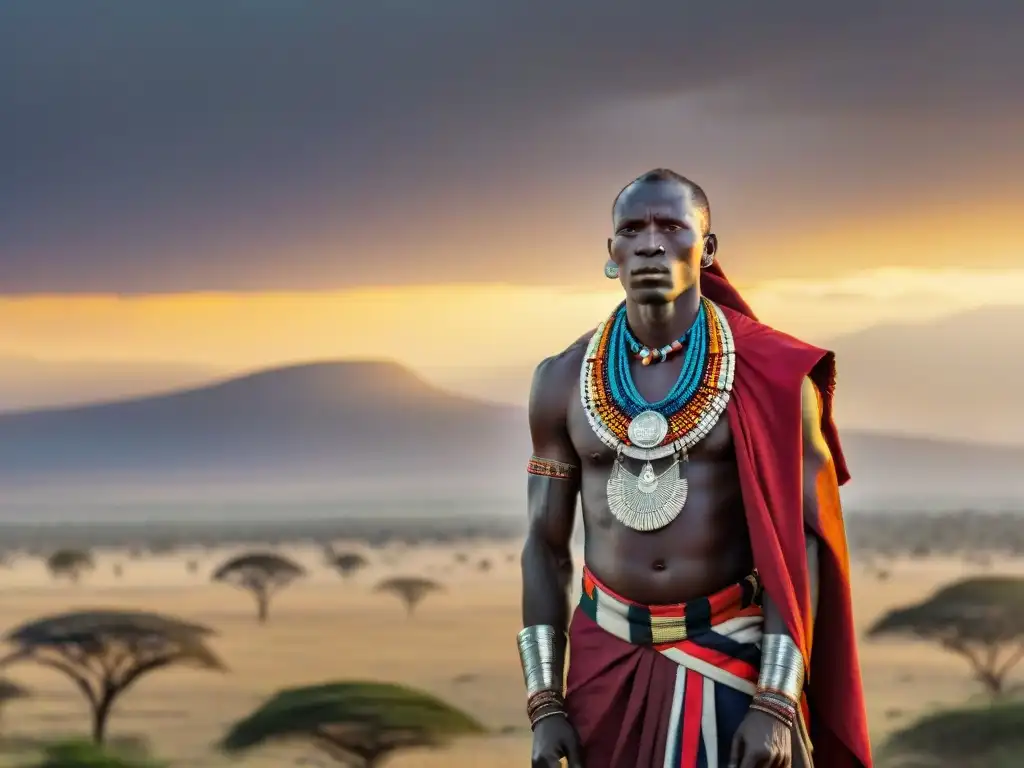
[[650, 248]]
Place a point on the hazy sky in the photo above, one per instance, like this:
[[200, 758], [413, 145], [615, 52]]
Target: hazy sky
[[242, 183], [306, 145]]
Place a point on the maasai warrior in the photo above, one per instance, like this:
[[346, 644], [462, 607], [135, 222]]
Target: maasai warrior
[[714, 627]]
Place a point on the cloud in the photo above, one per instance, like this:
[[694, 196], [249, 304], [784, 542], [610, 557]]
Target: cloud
[[239, 145]]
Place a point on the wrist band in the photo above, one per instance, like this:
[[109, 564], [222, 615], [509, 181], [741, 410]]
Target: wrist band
[[544, 704], [782, 668], [784, 716], [552, 713], [537, 656]]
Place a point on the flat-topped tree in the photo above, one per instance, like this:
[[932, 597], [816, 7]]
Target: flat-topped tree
[[69, 564], [980, 619], [411, 590], [358, 724], [262, 574], [984, 737], [86, 754], [348, 563], [106, 652]]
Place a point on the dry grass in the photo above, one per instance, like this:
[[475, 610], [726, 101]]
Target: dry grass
[[460, 646]]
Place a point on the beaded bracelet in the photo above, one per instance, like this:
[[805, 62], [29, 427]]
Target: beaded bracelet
[[784, 716], [547, 713], [779, 696], [780, 707], [772, 713], [544, 704], [544, 699], [783, 707]]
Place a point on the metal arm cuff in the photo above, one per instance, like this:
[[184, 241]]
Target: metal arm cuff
[[537, 655], [782, 667]]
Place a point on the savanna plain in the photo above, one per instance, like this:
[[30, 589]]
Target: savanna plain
[[332, 621]]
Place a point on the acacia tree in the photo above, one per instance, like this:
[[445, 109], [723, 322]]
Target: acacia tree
[[986, 737], [105, 652], [358, 724], [980, 619], [411, 590], [86, 754], [348, 563], [69, 564], [260, 573]]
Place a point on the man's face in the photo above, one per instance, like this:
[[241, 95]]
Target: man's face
[[657, 242]]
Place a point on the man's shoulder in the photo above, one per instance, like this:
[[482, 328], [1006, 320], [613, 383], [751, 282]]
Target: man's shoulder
[[755, 339], [773, 355], [568, 360], [555, 376]]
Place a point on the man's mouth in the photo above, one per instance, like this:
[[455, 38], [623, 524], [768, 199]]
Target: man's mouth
[[650, 275]]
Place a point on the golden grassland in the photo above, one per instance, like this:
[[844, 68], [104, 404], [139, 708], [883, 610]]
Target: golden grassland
[[460, 645]]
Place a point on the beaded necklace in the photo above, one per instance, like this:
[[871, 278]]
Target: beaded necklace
[[647, 355], [620, 378], [692, 407], [626, 422]]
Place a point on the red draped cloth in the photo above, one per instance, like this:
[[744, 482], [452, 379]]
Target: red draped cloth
[[765, 417]]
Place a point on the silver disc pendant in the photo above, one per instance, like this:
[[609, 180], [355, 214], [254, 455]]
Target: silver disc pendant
[[649, 501], [648, 429]]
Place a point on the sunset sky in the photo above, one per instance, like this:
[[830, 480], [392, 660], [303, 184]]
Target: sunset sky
[[240, 184]]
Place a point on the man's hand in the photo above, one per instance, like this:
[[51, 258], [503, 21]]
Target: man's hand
[[555, 738], [762, 741]]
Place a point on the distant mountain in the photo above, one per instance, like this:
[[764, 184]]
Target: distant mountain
[[357, 422], [378, 429], [892, 471], [959, 377], [27, 383], [955, 378]]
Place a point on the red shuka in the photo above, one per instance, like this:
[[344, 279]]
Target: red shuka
[[765, 418]]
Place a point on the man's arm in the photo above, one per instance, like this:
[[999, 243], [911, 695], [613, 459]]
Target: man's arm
[[816, 459], [780, 685], [552, 490], [819, 470]]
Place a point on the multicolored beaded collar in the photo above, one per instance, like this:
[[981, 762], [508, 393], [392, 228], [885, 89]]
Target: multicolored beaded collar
[[647, 355], [693, 406]]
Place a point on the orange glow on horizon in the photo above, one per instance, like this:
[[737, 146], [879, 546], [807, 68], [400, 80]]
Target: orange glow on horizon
[[435, 326]]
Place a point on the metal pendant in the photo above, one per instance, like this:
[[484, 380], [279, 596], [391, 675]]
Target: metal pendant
[[648, 429], [648, 501]]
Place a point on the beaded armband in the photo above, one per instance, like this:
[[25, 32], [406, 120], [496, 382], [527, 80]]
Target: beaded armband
[[558, 470]]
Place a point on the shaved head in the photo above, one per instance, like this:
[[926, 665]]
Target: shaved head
[[698, 197]]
